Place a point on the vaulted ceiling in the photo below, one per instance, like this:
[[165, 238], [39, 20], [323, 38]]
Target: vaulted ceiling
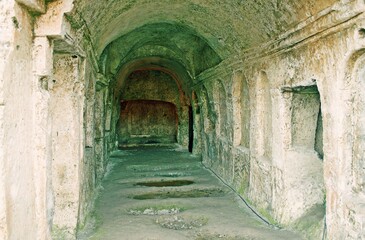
[[193, 35]]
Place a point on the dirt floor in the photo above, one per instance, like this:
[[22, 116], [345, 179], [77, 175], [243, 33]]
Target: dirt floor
[[166, 193]]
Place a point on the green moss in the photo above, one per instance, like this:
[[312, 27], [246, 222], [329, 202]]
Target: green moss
[[91, 222], [312, 223], [61, 233], [243, 189], [264, 213]]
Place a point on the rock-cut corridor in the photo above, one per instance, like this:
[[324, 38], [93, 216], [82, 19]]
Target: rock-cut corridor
[[267, 96], [165, 193]]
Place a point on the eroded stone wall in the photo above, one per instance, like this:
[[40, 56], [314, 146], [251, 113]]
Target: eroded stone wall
[[49, 159], [283, 159], [301, 66], [66, 109], [19, 205]]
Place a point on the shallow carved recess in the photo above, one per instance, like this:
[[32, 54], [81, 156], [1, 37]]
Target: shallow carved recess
[[147, 122]]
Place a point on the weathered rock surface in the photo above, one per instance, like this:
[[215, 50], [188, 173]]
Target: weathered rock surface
[[199, 208], [269, 93]]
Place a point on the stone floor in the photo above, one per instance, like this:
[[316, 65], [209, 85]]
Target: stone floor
[[166, 193]]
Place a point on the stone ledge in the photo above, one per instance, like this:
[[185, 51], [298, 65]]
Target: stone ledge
[[38, 6], [326, 22], [223, 69]]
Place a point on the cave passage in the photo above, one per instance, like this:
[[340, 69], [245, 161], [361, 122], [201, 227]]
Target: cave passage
[[136, 99]]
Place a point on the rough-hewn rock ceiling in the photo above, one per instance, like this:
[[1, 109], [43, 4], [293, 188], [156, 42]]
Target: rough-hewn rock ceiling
[[194, 34]]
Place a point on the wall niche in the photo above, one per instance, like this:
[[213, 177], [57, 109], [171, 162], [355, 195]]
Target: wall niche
[[307, 127]]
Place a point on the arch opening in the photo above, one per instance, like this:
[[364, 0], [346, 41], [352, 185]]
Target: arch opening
[[164, 40], [153, 110]]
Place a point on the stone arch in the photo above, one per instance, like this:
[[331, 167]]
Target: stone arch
[[260, 187], [196, 114], [264, 115], [358, 130], [345, 203], [355, 81], [241, 113], [208, 123], [241, 131], [237, 106], [245, 113], [209, 115], [220, 107], [172, 68]]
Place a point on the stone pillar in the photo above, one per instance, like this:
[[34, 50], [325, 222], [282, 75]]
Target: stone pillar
[[281, 140], [261, 138], [42, 153], [100, 96], [18, 216], [237, 108], [183, 126], [49, 25], [6, 47], [344, 171], [197, 126], [67, 105]]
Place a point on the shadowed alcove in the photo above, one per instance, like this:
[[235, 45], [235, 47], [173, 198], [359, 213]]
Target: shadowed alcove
[[149, 109]]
